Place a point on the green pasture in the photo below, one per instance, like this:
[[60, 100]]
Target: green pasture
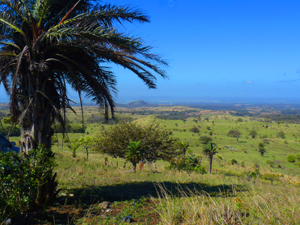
[[164, 196]]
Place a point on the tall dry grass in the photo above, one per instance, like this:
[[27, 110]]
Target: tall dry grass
[[259, 204]]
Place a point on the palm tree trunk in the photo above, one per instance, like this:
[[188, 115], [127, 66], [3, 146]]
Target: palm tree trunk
[[35, 120], [210, 163], [134, 167], [36, 112], [87, 153]]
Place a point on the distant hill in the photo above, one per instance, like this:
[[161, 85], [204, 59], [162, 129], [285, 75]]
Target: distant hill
[[4, 106], [137, 104]]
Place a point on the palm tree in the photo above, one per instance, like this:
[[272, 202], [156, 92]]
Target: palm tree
[[261, 148], [134, 153], [49, 45], [210, 149], [183, 146]]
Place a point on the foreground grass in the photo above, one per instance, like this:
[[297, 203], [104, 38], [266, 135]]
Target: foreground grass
[[166, 197]]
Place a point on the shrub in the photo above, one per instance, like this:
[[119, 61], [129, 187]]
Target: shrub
[[205, 139], [54, 140], [233, 161], [293, 158], [280, 134], [239, 120], [190, 163], [234, 133], [157, 143], [253, 133], [195, 129], [271, 163], [20, 179], [266, 141], [271, 177]]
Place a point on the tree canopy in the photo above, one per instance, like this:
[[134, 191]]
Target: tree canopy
[[156, 142], [234, 133]]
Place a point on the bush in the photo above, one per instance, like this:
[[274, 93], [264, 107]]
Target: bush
[[234, 133], [239, 120], [157, 143], [271, 163], [205, 139], [293, 158], [54, 140], [271, 177], [195, 130], [233, 161], [20, 178], [266, 141], [190, 163], [280, 134]]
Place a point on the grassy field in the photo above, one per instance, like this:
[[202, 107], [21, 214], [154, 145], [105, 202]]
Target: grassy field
[[227, 196]]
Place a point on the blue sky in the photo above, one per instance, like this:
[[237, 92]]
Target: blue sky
[[224, 48], [217, 48]]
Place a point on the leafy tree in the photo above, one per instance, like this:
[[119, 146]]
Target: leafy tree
[[234, 133], [157, 142], [205, 139], [183, 146], [280, 134], [253, 133], [134, 153], [261, 148], [87, 142], [291, 159], [195, 130], [210, 149], [73, 145], [234, 161], [239, 120], [49, 44]]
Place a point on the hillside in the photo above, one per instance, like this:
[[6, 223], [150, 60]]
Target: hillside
[[241, 180]]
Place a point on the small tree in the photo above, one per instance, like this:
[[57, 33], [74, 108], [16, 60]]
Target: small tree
[[134, 153], [210, 149], [157, 142], [234, 133], [253, 133], [87, 142], [195, 129], [280, 134], [261, 148], [183, 145], [73, 145], [205, 139]]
